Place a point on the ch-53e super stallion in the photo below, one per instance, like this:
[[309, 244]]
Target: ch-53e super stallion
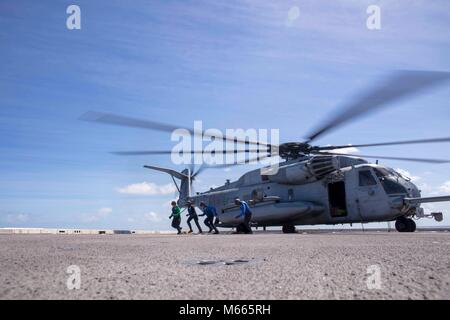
[[314, 184]]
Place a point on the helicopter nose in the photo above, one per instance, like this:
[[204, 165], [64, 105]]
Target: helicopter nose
[[413, 191]]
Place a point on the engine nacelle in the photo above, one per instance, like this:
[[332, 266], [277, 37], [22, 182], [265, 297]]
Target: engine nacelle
[[305, 171]]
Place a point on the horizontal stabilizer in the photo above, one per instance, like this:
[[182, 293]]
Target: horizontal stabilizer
[[427, 200]]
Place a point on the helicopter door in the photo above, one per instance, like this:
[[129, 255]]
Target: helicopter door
[[338, 199], [370, 199]]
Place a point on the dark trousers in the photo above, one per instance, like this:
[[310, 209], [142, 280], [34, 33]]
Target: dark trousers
[[176, 224], [246, 223], [195, 218], [209, 222]]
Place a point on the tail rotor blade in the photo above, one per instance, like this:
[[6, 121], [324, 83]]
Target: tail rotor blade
[[199, 170], [191, 168]]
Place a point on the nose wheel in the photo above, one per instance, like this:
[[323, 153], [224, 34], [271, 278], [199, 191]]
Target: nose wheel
[[404, 224]]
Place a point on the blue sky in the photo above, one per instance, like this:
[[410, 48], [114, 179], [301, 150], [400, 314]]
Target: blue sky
[[232, 64]]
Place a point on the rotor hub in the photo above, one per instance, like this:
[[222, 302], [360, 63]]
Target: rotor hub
[[293, 150]]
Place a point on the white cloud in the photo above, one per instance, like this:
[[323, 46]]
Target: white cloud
[[101, 214], [152, 216], [407, 174], [445, 187], [142, 219], [17, 218], [426, 189], [148, 188]]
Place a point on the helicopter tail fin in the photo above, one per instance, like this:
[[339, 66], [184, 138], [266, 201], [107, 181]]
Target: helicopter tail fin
[[183, 176], [185, 187]]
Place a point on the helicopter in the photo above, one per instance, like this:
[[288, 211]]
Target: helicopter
[[312, 185]]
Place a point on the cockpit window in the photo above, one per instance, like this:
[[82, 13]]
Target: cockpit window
[[402, 175], [382, 172], [388, 172], [390, 181], [366, 178]]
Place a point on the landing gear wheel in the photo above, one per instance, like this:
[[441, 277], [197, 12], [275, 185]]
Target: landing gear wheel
[[289, 229], [411, 225], [240, 228], [403, 224]]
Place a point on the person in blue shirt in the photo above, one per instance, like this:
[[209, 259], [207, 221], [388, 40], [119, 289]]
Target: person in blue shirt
[[246, 213], [210, 212]]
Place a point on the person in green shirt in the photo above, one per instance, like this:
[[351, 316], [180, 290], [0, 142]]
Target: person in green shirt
[[176, 216]]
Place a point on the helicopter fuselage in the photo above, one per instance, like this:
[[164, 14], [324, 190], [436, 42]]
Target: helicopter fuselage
[[316, 190]]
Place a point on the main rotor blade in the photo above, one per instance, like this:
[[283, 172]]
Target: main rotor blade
[[159, 152], [226, 165], [395, 87], [383, 157], [113, 119], [435, 140]]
